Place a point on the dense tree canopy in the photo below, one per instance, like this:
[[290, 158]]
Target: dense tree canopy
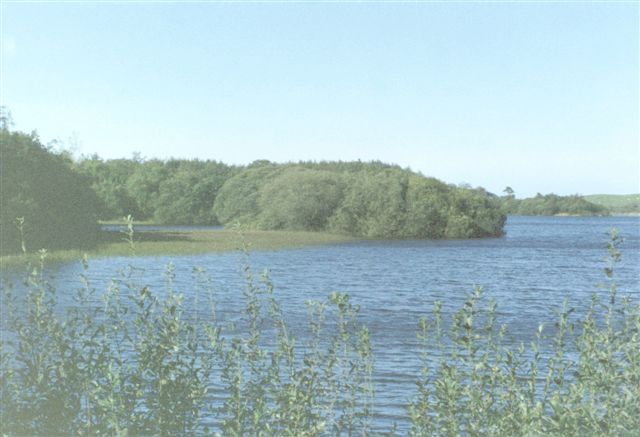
[[362, 199], [166, 192], [238, 199], [368, 199], [59, 208], [109, 181], [300, 198], [187, 196]]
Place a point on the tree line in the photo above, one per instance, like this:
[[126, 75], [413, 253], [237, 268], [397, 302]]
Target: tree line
[[367, 199], [165, 192], [58, 200], [61, 199], [550, 204]]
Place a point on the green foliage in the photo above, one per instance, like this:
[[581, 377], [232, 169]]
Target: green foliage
[[360, 199], [143, 186], [374, 205], [300, 199], [128, 366], [474, 213], [109, 182], [365, 199], [57, 207], [551, 204], [428, 208], [187, 196], [238, 199], [167, 192]]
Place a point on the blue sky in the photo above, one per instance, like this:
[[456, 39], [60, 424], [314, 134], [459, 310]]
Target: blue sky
[[542, 97]]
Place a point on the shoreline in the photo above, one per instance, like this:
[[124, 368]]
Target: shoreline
[[163, 243], [193, 242]]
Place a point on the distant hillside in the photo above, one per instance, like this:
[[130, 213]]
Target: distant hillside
[[551, 204], [617, 203]]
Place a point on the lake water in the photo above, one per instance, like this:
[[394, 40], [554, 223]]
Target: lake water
[[538, 263]]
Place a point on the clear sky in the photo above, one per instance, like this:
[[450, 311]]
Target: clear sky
[[542, 97]]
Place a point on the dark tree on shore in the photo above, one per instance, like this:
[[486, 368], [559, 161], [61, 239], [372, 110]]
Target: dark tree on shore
[[57, 207]]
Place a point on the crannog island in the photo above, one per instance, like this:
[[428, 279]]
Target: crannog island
[[59, 201]]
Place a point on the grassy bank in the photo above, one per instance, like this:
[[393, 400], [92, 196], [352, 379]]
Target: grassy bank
[[185, 243]]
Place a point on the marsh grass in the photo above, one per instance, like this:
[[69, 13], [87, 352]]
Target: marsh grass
[[133, 361], [181, 243]]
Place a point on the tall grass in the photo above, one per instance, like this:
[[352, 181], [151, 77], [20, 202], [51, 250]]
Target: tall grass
[[124, 361]]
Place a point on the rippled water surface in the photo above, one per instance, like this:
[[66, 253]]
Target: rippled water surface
[[539, 262]]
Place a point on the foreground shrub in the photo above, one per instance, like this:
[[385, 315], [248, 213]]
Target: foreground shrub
[[587, 382], [129, 363], [125, 362], [110, 367]]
